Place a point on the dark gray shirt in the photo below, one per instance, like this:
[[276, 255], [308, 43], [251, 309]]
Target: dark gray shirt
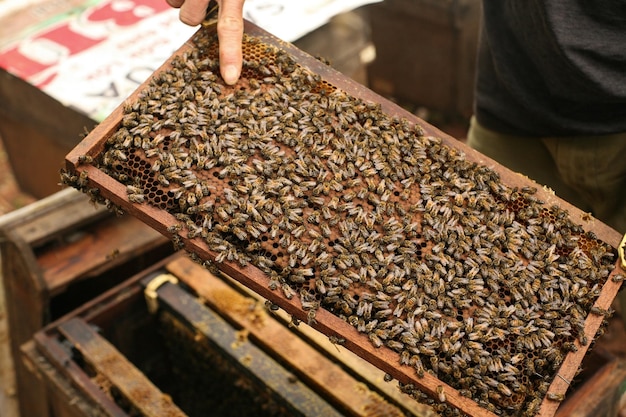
[[552, 67]]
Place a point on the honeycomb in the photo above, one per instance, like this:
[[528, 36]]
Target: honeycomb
[[226, 389], [349, 209]]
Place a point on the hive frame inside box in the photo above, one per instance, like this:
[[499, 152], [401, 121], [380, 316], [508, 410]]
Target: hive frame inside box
[[327, 323]]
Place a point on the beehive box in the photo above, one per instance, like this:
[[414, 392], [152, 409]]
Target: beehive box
[[56, 254], [477, 289], [426, 53], [154, 350]]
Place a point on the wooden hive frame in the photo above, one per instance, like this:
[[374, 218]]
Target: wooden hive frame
[[83, 173]]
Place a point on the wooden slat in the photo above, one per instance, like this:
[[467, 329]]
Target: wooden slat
[[110, 242], [186, 271], [108, 361], [365, 370], [599, 395], [43, 220], [49, 347], [311, 365], [570, 366], [65, 399], [56, 242], [25, 295]]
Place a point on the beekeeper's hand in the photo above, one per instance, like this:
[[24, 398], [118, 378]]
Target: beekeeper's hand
[[229, 30]]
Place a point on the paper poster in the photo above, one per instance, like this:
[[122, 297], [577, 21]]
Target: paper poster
[[289, 20]]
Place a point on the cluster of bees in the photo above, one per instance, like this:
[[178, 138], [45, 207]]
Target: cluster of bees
[[360, 213]]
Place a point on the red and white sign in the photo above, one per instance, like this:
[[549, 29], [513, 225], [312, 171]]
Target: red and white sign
[[95, 53], [92, 57]]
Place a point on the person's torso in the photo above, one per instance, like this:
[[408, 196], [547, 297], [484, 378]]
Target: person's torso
[[553, 67]]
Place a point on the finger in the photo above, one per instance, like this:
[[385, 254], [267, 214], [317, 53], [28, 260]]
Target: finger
[[230, 34], [175, 3], [192, 12]]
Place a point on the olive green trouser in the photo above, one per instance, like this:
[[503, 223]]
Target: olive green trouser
[[587, 171]]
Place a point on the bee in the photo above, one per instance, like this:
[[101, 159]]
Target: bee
[[503, 389], [271, 306], [162, 179], [570, 347], [445, 368], [119, 155], [395, 345], [80, 181], [552, 396], [376, 341], [336, 340], [85, 159], [137, 198], [441, 394], [601, 312], [287, 291], [298, 231]]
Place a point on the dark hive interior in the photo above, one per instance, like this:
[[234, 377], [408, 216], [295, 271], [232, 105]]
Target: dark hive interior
[[226, 390], [360, 213]]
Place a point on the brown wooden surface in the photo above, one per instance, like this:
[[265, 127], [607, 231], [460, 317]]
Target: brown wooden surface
[[64, 400], [39, 261], [570, 366], [28, 293], [250, 361], [365, 370], [48, 218], [112, 241], [34, 158], [70, 371], [115, 313], [108, 361], [326, 322], [426, 53], [25, 314], [36, 137], [59, 365]]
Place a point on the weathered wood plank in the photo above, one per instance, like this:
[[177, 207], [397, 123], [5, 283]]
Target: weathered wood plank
[[109, 362]]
